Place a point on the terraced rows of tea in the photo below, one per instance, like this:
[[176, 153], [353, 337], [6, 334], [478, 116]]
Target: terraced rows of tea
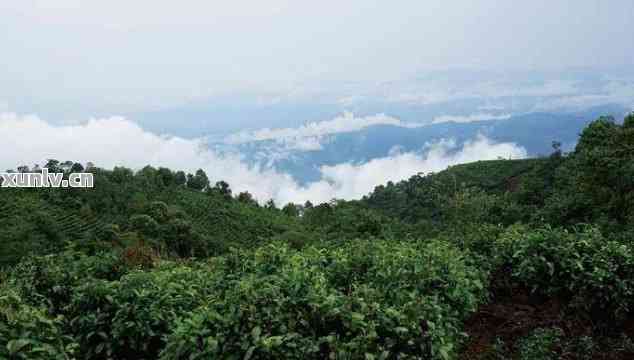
[[13, 206], [75, 225], [70, 224], [219, 218], [5, 210], [205, 213]]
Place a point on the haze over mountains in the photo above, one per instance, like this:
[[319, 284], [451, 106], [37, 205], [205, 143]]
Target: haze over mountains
[[310, 132], [331, 144], [458, 94], [303, 151], [306, 101], [305, 131]]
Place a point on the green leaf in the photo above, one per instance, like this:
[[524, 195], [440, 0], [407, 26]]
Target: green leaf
[[256, 332], [249, 353], [357, 317], [14, 346]]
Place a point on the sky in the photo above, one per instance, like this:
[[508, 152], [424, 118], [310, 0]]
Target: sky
[[117, 55], [86, 80]]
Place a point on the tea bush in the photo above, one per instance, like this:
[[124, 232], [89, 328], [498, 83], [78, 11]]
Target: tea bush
[[49, 280], [373, 300], [579, 263], [540, 344], [129, 317], [360, 299], [28, 332]]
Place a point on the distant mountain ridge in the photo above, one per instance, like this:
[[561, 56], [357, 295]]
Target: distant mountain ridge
[[535, 132]]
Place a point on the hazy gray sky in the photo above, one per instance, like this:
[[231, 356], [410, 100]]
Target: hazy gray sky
[[145, 53], [68, 60]]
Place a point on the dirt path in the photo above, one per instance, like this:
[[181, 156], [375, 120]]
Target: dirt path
[[513, 313]]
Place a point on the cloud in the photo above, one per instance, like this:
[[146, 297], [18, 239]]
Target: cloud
[[614, 91], [491, 107], [469, 118], [451, 86], [308, 135], [352, 181], [116, 141], [546, 88]]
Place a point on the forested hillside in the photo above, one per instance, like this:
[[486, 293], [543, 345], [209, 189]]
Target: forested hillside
[[523, 259]]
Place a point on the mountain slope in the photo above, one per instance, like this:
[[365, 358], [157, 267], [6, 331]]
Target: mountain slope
[[533, 131]]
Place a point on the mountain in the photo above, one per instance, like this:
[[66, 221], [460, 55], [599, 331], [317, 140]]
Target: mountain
[[535, 132]]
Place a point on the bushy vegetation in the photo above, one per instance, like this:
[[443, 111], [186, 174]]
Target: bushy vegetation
[[540, 344], [596, 272], [28, 332], [162, 264]]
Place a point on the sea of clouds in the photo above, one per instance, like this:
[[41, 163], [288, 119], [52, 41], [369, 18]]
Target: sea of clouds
[[116, 141]]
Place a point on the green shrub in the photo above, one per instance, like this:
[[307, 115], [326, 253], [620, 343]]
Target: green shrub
[[365, 299], [129, 318], [540, 344], [49, 280], [27, 332], [296, 239], [598, 272], [91, 312]]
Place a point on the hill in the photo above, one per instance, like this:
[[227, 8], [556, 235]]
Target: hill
[[527, 259]]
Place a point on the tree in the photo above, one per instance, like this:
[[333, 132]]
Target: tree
[[270, 205], [66, 165], [158, 210], [52, 165], [180, 238], [145, 225], [199, 181], [222, 188], [77, 168], [290, 209], [596, 183], [628, 122], [180, 178], [121, 175], [166, 176], [246, 198]]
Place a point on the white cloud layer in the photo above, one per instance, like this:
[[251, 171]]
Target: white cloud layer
[[116, 141], [356, 180], [313, 131], [309, 137], [469, 118]]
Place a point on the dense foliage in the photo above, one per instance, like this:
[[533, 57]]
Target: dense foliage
[[162, 264]]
